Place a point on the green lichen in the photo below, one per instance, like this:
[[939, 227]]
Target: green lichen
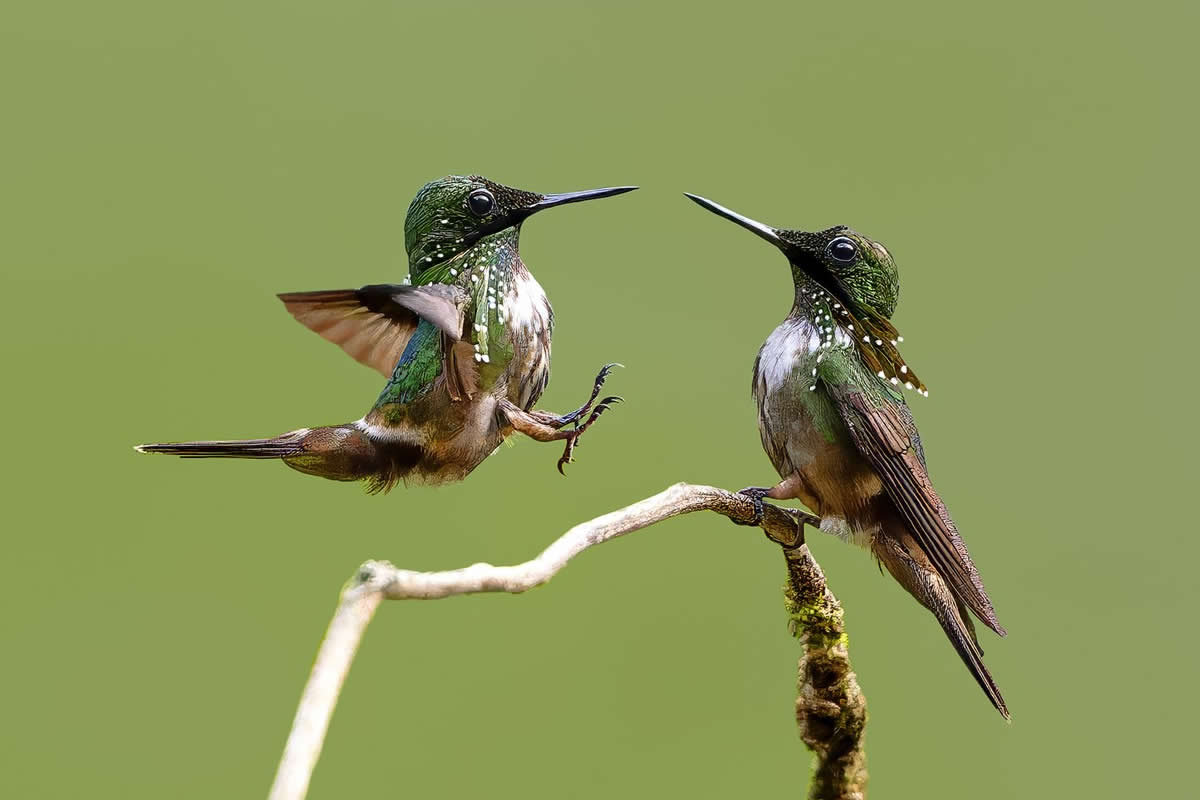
[[811, 612]]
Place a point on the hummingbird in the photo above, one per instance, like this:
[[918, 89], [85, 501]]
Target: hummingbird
[[464, 343], [828, 383]]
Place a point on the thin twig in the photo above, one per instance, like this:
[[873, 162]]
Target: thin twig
[[813, 609]]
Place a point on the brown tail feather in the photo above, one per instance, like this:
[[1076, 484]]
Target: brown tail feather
[[279, 447], [961, 634], [339, 453], [923, 583]]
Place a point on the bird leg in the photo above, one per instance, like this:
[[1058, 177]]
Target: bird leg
[[534, 425], [558, 421], [781, 491]]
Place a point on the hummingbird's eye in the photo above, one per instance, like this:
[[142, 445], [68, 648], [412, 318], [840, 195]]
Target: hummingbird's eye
[[843, 250], [481, 202]]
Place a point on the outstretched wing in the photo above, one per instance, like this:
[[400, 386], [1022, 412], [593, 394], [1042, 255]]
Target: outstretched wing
[[884, 432], [374, 324]]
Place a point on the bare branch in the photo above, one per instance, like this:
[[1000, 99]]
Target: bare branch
[[304, 743], [830, 703]]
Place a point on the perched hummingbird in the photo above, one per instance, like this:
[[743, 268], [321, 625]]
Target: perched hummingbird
[[464, 343], [833, 421]]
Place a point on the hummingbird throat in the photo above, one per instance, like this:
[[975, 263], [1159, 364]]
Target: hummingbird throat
[[490, 271], [873, 335]]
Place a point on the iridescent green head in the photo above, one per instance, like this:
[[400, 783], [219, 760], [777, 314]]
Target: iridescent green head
[[855, 275], [450, 214]]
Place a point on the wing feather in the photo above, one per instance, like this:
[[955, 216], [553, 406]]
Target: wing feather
[[884, 432], [373, 324]]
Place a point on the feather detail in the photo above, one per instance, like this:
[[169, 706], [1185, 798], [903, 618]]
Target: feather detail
[[878, 343], [374, 324]]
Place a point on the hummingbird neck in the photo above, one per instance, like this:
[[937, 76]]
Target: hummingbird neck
[[816, 304], [489, 272], [872, 335], [490, 262], [429, 255]]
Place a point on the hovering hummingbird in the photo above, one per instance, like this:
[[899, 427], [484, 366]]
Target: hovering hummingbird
[[464, 343], [833, 421]]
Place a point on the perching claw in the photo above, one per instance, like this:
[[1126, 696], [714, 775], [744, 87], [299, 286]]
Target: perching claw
[[574, 416]]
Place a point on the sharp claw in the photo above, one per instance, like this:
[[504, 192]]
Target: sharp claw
[[568, 450], [605, 371], [597, 409]]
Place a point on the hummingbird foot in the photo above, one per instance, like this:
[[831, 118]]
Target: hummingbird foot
[[538, 425], [755, 493], [573, 439], [578, 414]]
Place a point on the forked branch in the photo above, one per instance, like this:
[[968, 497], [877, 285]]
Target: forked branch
[[830, 710]]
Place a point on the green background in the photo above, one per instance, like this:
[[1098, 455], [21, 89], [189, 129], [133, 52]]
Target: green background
[[167, 167]]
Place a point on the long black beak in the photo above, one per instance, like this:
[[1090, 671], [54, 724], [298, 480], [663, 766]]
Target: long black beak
[[765, 231], [552, 200]]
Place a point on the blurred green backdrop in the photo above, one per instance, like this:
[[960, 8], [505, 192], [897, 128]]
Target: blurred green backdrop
[[168, 167]]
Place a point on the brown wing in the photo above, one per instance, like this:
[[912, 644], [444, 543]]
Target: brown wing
[[373, 324], [884, 432]]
